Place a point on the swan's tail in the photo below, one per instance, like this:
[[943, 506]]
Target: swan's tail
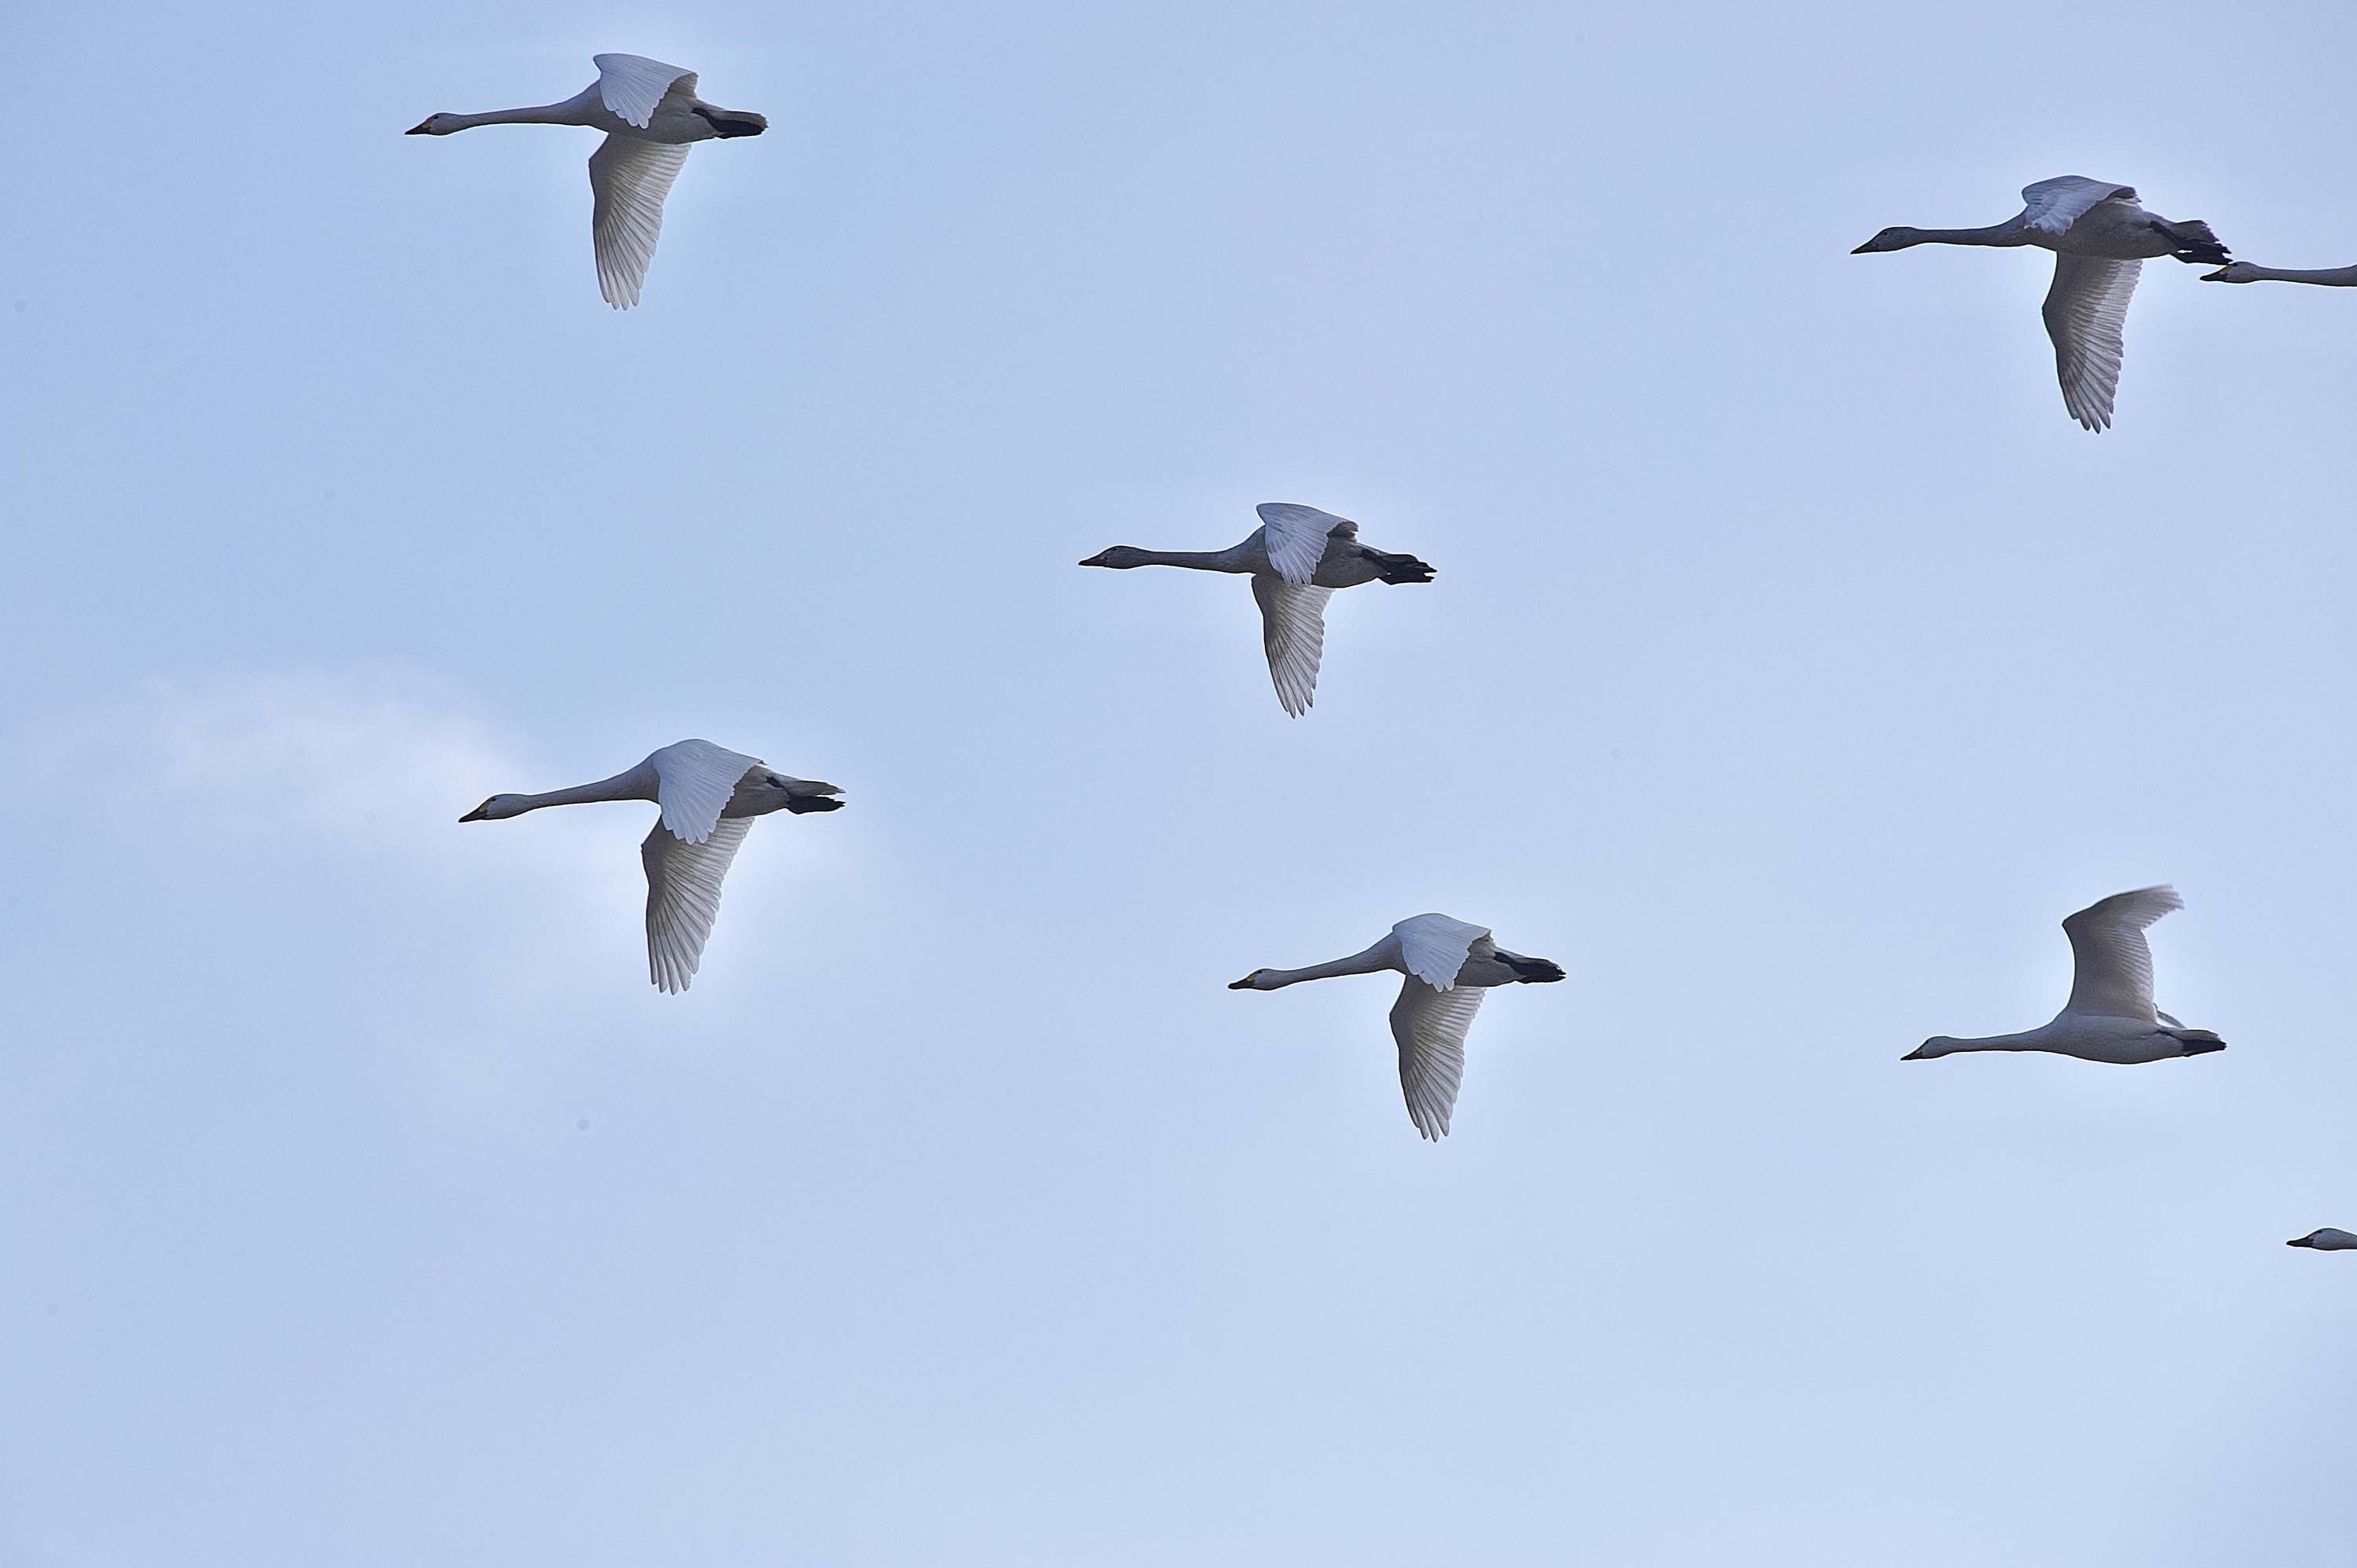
[[2196, 244], [1401, 568], [2197, 1042], [1531, 970]]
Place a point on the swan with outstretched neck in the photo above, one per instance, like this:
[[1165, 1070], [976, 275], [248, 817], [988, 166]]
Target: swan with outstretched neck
[[709, 797], [2110, 1016], [651, 115], [1449, 963], [2100, 239], [1296, 558]]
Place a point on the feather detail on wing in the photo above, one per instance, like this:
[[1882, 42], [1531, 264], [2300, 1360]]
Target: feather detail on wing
[[1296, 537], [1430, 1026], [2111, 963], [2086, 311], [630, 177], [695, 780], [683, 897], [2053, 205], [633, 85], [1293, 634], [1435, 947]]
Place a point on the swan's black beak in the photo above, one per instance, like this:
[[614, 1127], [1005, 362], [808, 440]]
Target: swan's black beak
[[1915, 1055], [1866, 249], [2303, 1242], [419, 129], [1244, 984], [2219, 276], [1095, 560], [474, 816]]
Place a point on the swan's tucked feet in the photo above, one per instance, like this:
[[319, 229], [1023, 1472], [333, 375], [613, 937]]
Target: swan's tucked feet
[[1531, 971], [801, 803], [2201, 1042], [1398, 569]]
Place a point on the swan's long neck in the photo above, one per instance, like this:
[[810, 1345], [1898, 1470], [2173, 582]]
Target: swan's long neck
[[2010, 232], [2030, 1040], [1370, 962], [572, 112], [2344, 276], [632, 786], [1200, 560]]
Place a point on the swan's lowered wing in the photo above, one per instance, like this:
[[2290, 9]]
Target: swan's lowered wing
[[630, 177], [1293, 634], [1430, 1026], [683, 897], [633, 85], [2053, 205], [2085, 312], [1296, 537], [1435, 947], [694, 780], [2111, 963]]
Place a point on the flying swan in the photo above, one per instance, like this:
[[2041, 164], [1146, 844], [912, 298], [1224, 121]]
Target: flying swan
[[650, 113], [2101, 238], [1449, 963], [2326, 1241], [2251, 271], [2110, 1016], [709, 797], [1297, 558]]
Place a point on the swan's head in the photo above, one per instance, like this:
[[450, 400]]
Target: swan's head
[[1120, 557], [2234, 272], [434, 125], [1896, 239], [1937, 1046], [1251, 982], [495, 808], [2326, 1241]]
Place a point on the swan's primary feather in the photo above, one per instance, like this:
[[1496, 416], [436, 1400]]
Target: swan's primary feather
[[1430, 1026], [1296, 537], [683, 895], [1435, 947], [630, 177], [2085, 312], [633, 85], [1292, 633], [2111, 963], [695, 780], [2053, 205]]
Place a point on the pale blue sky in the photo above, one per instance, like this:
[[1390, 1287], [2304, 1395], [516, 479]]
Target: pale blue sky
[[1794, 665]]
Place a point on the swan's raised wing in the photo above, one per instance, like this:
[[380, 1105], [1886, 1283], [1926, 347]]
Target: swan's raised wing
[[1296, 535], [1430, 1029], [633, 85], [1293, 634], [630, 177], [1435, 947], [693, 781], [2053, 205], [2085, 312], [683, 895], [2111, 964]]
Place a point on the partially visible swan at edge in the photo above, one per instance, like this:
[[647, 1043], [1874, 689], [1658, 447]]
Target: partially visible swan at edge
[[1297, 558], [2251, 271], [2101, 238], [650, 113], [709, 797], [1449, 963], [2326, 1241], [2110, 1016]]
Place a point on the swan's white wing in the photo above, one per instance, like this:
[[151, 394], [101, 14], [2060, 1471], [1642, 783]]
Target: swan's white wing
[[1292, 633], [630, 177], [1435, 947], [2055, 204], [683, 896], [2111, 964], [1296, 535], [693, 781], [2085, 311], [633, 85], [1430, 1029]]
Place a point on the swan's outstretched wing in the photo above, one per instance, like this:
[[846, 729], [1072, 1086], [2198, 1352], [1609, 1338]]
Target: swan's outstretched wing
[[1430, 1029], [2111, 964], [2053, 205], [683, 894], [694, 780], [630, 177], [2085, 311], [633, 85], [1435, 947], [1296, 535], [1292, 633]]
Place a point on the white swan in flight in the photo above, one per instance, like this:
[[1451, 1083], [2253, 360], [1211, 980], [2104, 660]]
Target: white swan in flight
[[1297, 558], [650, 113], [2326, 1241], [2251, 271], [1449, 963], [2101, 238], [709, 797], [2110, 1016]]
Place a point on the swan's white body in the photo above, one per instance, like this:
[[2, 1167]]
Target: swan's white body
[[2251, 271], [1296, 558], [2101, 238], [2327, 1240], [650, 113], [1449, 963], [709, 797], [2110, 1016]]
